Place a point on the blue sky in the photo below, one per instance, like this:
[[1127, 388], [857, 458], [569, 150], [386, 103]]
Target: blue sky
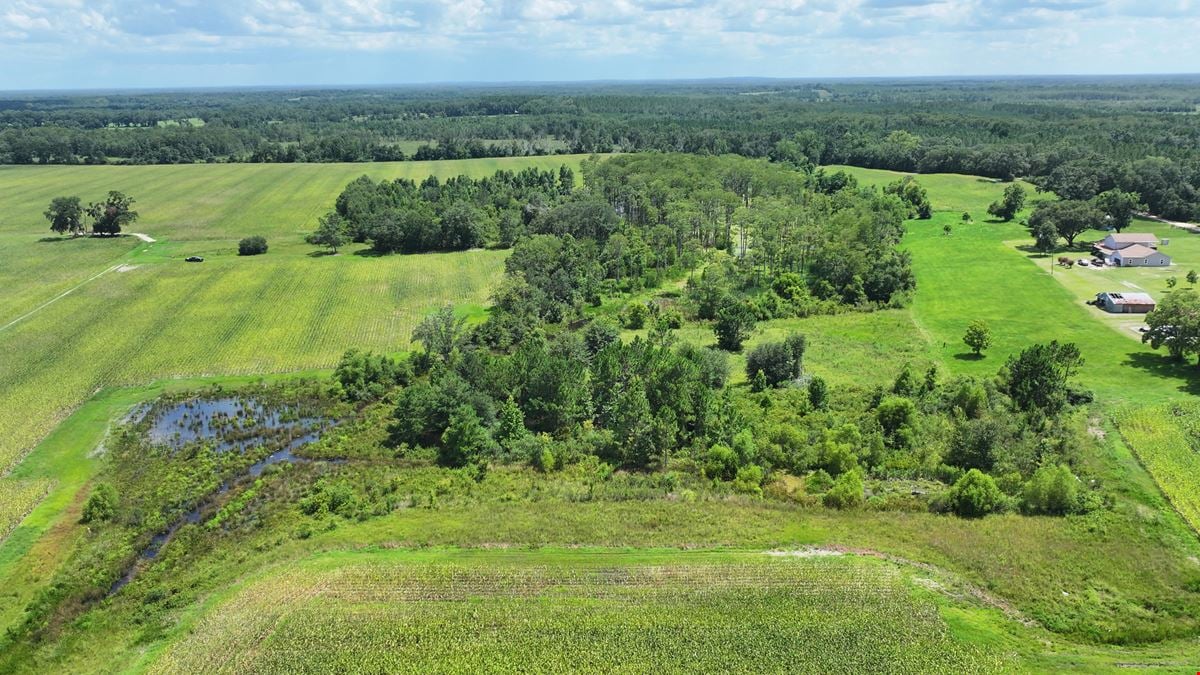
[[127, 43]]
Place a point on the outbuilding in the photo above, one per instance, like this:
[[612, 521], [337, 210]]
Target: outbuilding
[[1125, 303]]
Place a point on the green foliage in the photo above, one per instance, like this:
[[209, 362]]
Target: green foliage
[[1036, 379], [749, 480], [330, 233], [255, 245], [634, 315], [330, 497], [441, 333], [112, 214], [778, 362], [465, 440], [734, 323], [365, 376], [1175, 324], [721, 463], [1067, 219], [978, 336], [65, 215], [975, 495], [915, 197], [510, 424], [846, 493], [101, 505], [1006, 209], [1053, 490], [818, 393], [1118, 207]]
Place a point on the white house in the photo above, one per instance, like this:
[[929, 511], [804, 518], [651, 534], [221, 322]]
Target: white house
[[1138, 256], [1119, 240], [1131, 249]]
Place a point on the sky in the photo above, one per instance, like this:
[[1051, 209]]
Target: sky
[[98, 44]]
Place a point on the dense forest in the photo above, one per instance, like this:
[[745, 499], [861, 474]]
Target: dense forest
[[1088, 134]]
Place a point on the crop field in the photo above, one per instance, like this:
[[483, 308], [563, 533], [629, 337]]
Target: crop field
[[17, 498], [147, 315], [1166, 438], [601, 611]]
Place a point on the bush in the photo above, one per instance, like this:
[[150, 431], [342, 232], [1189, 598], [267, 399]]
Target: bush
[[975, 495], [722, 463], [749, 480], [818, 481], [365, 376], [1053, 490], [255, 245], [777, 361], [735, 321], [634, 316], [846, 493], [101, 505], [818, 393]]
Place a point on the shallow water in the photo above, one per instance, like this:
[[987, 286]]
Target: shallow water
[[227, 424]]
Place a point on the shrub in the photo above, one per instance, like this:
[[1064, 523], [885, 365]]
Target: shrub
[[818, 481], [721, 463], [634, 316], [365, 376], [101, 504], [749, 480], [255, 245], [818, 393], [777, 361], [735, 321], [975, 495], [846, 493], [1053, 490], [465, 439]]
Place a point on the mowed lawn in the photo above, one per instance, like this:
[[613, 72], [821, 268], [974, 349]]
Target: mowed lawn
[[81, 315], [978, 272]]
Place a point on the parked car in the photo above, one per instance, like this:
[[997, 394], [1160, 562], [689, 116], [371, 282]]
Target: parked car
[[193, 258], [1083, 261]]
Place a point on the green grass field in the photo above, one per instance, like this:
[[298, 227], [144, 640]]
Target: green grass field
[[978, 273], [149, 315]]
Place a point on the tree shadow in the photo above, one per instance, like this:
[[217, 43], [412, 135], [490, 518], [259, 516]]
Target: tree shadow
[[1163, 365], [969, 356], [50, 240], [321, 254], [370, 253]]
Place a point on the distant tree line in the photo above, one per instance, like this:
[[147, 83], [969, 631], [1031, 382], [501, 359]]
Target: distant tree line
[[1128, 136]]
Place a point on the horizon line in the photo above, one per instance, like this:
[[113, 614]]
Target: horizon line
[[596, 81]]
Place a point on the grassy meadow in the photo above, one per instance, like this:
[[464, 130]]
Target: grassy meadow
[[80, 315], [225, 306]]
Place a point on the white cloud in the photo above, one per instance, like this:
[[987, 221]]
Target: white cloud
[[697, 37]]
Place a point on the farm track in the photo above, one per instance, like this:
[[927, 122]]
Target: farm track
[[58, 297]]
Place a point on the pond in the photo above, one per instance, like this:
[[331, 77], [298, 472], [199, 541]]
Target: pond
[[227, 424]]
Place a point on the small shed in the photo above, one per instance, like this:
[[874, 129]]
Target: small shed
[[1139, 256], [1125, 303]]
